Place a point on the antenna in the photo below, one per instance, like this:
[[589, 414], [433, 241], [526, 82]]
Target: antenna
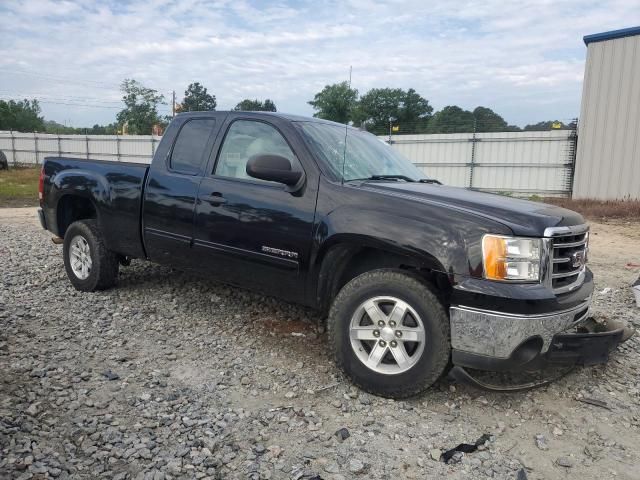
[[346, 126]]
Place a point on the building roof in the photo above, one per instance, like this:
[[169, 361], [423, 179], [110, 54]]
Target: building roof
[[601, 37]]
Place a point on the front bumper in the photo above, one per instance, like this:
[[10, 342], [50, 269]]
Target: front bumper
[[494, 341], [498, 334]]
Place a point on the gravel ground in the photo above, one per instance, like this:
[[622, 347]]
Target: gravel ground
[[172, 376]]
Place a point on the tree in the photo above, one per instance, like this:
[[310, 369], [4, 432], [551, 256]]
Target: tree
[[51, 126], [256, 105], [489, 121], [196, 99], [335, 102], [415, 111], [452, 119], [406, 109], [21, 115], [549, 125], [141, 107], [377, 107]]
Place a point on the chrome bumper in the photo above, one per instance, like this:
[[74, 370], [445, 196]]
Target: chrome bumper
[[496, 334]]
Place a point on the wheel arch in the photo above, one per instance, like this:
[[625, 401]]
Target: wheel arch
[[72, 207], [350, 256]]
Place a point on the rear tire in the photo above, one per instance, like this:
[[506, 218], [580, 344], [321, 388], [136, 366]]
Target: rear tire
[[389, 333], [89, 265]]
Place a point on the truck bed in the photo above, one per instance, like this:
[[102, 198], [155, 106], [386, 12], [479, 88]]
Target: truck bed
[[114, 189]]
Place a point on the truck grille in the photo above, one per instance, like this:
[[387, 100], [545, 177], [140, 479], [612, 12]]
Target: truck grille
[[568, 260]]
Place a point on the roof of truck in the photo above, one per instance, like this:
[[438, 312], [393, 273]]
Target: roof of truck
[[286, 116]]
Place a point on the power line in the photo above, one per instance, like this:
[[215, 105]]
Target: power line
[[91, 83], [43, 96], [63, 80]]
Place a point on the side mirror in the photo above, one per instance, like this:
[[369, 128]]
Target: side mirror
[[273, 168]]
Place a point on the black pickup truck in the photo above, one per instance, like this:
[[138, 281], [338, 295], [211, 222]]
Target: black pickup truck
[[415, 276]]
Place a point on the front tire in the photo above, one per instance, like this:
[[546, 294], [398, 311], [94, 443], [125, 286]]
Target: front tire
[[389, 333], [89, 265]]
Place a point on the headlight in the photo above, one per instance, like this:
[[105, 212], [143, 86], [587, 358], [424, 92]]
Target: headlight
[[511, 258]]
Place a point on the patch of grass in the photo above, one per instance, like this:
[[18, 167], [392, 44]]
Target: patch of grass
[[19, 186], [600, 209]]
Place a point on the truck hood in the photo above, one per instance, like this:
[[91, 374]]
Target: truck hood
[[523, 217]]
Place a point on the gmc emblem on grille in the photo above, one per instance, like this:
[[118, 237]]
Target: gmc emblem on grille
[[578, 259]]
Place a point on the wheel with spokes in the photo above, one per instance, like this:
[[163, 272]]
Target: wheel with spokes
[[89, 265], [390, 333]]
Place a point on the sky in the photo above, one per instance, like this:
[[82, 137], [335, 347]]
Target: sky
[[524, 59]]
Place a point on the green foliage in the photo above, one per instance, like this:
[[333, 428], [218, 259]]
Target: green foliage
[[256, 105], [405, 109], [335, 102], [22, 115], [141, 108], [549, 125], [489, 121], [51, 126], [196, 99], [452, 119], [19, 186]]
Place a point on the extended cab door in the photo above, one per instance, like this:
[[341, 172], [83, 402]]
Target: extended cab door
[[250, 232], [172, 188]]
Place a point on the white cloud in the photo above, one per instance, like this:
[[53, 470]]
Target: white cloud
[[524, 59]]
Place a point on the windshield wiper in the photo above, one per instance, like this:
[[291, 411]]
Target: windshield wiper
[[384, 177], [430, 180]]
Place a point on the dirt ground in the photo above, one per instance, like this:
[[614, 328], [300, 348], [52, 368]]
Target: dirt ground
[[171, 376]]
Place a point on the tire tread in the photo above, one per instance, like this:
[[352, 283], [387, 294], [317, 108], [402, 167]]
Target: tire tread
[[408, 281], [105, 262]]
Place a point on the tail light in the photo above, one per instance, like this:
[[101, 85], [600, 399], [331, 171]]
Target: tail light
[[41, 186]]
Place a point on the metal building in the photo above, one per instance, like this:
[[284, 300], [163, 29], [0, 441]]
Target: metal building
[[608, 156]]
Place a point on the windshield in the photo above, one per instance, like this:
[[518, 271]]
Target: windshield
[[366, 156]]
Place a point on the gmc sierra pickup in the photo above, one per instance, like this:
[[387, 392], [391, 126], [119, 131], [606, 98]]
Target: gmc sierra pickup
[[416, 277]]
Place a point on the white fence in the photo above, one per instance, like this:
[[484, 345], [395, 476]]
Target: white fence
[[32, 148], [519, 163]]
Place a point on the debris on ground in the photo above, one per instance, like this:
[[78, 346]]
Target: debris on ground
[[109, 375], [565, 462], [595, 402], [541, 442], [342, 434], [463, 448]]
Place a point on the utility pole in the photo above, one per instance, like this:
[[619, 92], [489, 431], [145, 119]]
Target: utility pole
[[173, 103]]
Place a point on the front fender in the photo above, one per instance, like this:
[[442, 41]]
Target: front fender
[[436, 245]]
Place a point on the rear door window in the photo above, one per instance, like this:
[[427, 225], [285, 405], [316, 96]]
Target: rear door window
[[188, 152]]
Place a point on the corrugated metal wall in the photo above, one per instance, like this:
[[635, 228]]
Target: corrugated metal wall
[[608, 157], [29, 148], [519, 163], [522, 163]]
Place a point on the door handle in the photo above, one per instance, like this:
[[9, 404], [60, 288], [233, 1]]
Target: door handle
[[216, 198]]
